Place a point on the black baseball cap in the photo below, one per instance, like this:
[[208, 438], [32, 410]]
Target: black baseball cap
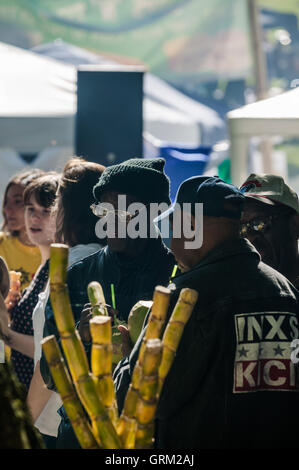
[[213, 192]]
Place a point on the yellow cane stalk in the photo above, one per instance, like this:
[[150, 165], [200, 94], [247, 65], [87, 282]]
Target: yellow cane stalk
[[103, 429], [127, 425], [68, 394], [174, 330], [101, 363], [147, 395], [97, 299], [146, 410]]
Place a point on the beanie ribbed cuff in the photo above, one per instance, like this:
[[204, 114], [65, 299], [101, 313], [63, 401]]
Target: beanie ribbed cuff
[[143, 178]]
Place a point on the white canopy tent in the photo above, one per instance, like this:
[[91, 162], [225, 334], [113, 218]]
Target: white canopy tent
[[276, 116], [38, 107]]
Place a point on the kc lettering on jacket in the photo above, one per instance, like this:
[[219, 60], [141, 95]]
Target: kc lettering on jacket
[[263, 352]]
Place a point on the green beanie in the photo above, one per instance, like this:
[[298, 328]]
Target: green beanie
[[143, 178]]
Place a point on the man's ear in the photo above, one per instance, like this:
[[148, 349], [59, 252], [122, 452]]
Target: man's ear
[[294, 226]]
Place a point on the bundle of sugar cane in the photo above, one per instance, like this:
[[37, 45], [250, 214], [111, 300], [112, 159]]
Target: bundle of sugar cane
[[103, 429], [101, 363], [145, 409], [68, 394], [127, 423]]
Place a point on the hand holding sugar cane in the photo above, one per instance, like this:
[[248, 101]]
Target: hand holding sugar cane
[[135, 427]]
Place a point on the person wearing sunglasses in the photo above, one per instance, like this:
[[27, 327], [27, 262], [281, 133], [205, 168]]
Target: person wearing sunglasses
[[270, 222]]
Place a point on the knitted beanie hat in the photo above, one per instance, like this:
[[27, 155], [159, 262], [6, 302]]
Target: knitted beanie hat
[[143, 178]]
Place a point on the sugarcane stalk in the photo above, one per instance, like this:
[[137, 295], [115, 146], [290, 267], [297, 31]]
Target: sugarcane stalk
[[101, 363], [68, 394], [146, 409], [174, 330], [103, 429], [147, 394], [98, 307], [97, 299], [127, 425]]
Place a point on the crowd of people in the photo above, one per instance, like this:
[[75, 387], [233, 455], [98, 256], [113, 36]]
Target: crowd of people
[[233, 383]]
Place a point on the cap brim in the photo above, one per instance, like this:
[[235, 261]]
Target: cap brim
[[263, 199], [165, 214]]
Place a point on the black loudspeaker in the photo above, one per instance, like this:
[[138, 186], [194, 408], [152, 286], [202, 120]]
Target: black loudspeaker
[[109, 119]]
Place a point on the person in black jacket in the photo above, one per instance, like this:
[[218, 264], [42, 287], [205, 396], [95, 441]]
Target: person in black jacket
[[135, 266], [232, 383]]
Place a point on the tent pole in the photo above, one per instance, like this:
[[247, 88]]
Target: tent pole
[[260, 70], [238, 155]]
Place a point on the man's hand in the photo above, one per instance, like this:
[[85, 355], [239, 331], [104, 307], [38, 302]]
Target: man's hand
[[126, 343], [83, 328], [86, 315]]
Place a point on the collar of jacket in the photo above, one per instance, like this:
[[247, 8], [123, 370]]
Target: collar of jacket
[[226, 250], [153, 250]]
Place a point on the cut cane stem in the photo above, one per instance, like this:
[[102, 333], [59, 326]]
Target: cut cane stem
[[127, 425], [97, 299], [101, 363], [147, 395], [174, 330], [146, 409], [68, 394]]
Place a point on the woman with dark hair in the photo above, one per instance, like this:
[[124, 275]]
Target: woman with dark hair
[[75, 225], [16, 247], [75, 221]]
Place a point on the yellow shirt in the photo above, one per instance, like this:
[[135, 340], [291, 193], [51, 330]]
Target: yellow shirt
[[19, 257]]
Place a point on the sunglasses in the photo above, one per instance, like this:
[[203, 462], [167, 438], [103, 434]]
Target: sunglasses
[[260, 224], [101, 212]]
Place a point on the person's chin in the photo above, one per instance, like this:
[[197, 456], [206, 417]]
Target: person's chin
[[14, 227]]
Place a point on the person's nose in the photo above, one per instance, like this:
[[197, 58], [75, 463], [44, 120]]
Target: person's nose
[[35, 216]]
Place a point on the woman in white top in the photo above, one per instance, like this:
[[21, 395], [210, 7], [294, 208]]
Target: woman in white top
[[75, 226]]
